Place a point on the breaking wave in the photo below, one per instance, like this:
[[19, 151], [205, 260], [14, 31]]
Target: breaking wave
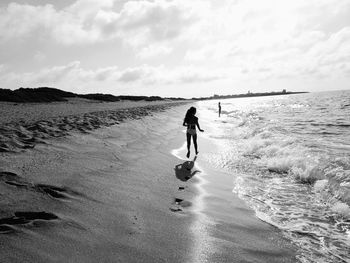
[[289, 157]]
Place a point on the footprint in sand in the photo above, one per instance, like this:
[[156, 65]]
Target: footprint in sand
[[53, 191], [182, 203], [179, 204], [22, 218], [13, 179], [175, 209]]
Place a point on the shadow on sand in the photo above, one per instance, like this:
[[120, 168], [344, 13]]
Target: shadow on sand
[[183, 171]]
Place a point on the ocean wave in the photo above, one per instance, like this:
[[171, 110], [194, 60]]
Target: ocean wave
[[289, 159], [306, 184], [290, 156]]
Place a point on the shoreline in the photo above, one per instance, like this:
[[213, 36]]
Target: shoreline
[[224, 224]]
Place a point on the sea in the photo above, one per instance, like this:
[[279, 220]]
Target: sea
[[289, 157]]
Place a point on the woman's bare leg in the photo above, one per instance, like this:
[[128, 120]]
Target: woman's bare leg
[[195, 143], [188, 144]]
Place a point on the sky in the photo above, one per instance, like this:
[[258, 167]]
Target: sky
[[175, 48]]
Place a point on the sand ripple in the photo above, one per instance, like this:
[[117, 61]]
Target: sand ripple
[[17, 136]]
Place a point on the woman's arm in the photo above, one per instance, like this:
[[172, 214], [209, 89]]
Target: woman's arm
[[199, 128], [184, 124]]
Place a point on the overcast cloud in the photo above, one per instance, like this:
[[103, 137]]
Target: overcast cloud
[[194, 48]]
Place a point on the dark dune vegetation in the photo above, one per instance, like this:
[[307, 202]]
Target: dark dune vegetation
[[46, 94]]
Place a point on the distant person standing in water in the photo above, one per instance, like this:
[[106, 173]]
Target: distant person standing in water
[[191, 121], [219, 109]]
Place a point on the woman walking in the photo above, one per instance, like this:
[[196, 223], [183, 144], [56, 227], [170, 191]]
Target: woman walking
[[191, 121]]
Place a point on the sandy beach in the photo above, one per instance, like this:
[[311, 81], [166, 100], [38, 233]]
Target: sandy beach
[[25, 124], [108, 182]]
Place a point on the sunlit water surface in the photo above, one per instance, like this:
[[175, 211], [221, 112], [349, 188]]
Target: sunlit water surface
[[290, 160]]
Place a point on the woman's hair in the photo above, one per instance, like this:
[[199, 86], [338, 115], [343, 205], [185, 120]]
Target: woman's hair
[[190, 112]]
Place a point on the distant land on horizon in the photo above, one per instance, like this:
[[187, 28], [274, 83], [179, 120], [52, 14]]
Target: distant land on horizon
[[251, 94], [47, 94]]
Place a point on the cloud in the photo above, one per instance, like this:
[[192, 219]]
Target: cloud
[[135, 74], [39, 56], [56, 74], [274, 39], [18, 21], [190, 74], [102, 74], [162, 20], [89, 21], [74, 74], [153, 51], [161, 75], [171, 42]]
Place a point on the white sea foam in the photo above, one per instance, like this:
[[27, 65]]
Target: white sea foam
[[341, 208], [320, 185], [291, 155]]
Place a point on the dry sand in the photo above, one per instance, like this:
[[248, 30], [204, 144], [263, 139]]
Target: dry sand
[[22, 125], [25, 113], [113, 194]]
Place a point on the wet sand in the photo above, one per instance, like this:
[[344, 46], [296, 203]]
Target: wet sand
[[112, 194], [225, 228]]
